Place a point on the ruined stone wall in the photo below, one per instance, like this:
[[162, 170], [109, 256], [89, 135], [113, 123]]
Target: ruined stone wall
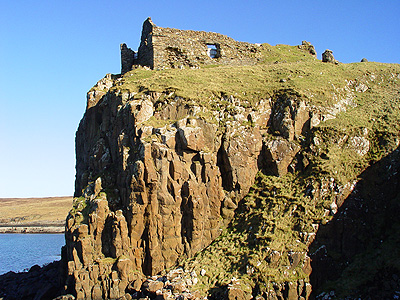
[[146, 47], [127, 58], [174, 48]]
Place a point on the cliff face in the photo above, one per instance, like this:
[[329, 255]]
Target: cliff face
[[150, 195], [253, 158]]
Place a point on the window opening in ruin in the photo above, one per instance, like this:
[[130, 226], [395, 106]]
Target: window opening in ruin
[[212, 50]]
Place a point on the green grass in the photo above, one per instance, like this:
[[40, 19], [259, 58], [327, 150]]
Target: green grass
[[376, 113], [157, 123], [320, 84], [284, 53], [109, 260], [80, 210]]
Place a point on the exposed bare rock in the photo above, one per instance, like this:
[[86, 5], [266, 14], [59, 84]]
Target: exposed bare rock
[[279, 153], [101, 88], [327, 56], [297, 290], [237, 158], [164, 204], [308, 47], [262, 115], [237, 292], [152, 286], [359, 144], [290, 116]]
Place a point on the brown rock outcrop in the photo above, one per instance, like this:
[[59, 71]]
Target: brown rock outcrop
[[290, 116], [308, 47], [279, 153], [327, 56]]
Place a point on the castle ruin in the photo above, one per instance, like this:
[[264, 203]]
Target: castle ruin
[[162, 48]]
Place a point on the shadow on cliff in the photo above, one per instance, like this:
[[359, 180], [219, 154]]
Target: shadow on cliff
[[357, 253]]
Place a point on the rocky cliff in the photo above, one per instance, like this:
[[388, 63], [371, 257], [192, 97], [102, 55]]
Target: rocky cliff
[[230, 173]]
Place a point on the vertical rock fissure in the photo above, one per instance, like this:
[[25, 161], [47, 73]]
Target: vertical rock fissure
[[147, 265], [187, 216], [225, 168]]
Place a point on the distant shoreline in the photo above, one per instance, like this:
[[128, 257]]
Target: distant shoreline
[[32, 228], [34, 215]]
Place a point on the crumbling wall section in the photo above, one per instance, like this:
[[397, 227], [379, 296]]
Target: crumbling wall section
[[127, 58], [173, 48], [146, 48]]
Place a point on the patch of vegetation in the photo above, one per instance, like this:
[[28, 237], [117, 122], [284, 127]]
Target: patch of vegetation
[[80, 210], [374, 118], [109, 260], [268, 225], [285, 54], [158, 123], [82, 207], [35, 210]]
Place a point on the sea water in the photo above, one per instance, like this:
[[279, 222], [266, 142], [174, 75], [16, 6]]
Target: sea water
[[19, 252]]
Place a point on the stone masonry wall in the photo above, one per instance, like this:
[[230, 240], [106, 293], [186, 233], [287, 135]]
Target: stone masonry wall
[[127, 58], [173, 48]]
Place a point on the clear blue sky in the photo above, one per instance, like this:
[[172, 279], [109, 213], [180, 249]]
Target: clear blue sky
[[53, 52]]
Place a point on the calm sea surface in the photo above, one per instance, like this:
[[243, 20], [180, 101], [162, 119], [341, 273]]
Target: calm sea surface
[[22, 251]]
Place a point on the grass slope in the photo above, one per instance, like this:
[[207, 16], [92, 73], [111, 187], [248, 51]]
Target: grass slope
[[34, 210]]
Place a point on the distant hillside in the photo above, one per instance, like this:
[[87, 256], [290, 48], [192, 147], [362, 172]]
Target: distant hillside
[[34, 214]]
